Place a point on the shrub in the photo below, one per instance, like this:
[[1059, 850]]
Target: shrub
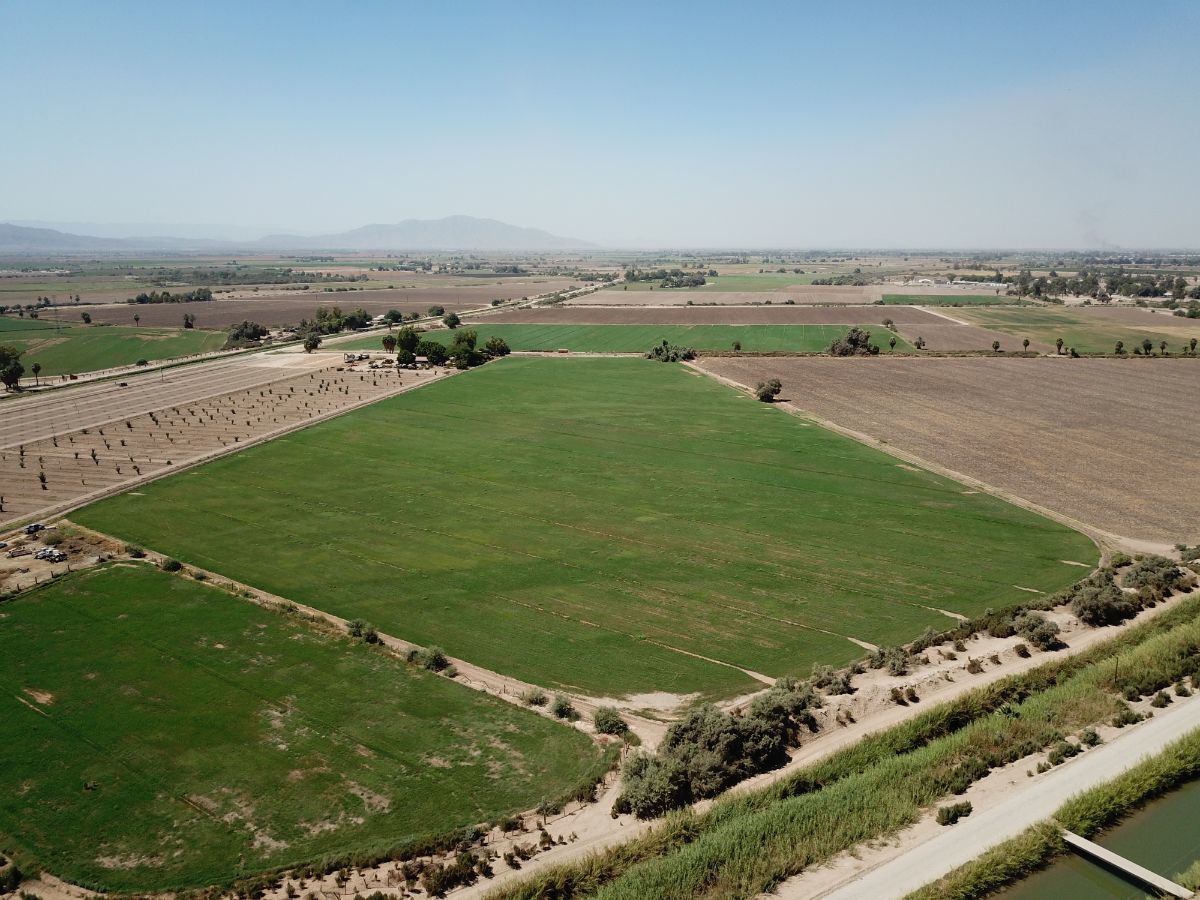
[[767, 391], [1098, 600], [1061, 751], [666, 352], [1040, 632], [974, 666], [1089, 737], [432, 658], [1022, 651], [135, 551], [948, 815], [910, 694], [608, 721], [1161, 699], [534, 697], [53, 539], [855, 342], [1126, 717], [563, 709], [171, 565]]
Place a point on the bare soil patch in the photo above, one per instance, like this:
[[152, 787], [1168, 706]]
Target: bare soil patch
[[872, 316], [797, 293], [945, 335], [1066, 434]]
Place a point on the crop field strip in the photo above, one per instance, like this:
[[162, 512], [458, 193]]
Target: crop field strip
[[1040, 429], [640, 338], [1089, 329], [218, 738], [610, 512], [952, 337], [776, 314], [66, 349], [820, 295], [957, 299]]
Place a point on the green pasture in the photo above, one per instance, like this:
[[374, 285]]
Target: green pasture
[[614, 526], [641, 338], [948, 300], [1086, 330], [161, 734], [70, 349]]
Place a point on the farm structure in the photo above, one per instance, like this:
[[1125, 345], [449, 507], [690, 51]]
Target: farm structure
[[1044, 430]]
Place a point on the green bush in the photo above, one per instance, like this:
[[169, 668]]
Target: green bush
[[948, 815], [432, 658], [562, 708], [171, 565], [534, 697], [608, 721], [1040, 632], [135, 551]]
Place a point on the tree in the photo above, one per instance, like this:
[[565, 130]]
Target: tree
[[767, 391], [393, 316], [1058, 343], [452, 321], [189, 320], [36, 368], [856, 342], [136, 319], [312, 342], [1025, 344], [919, 343], [1192, 346], [497, 346], [405, 357], [737, 346], [1147, 346], [87, 318], [389, 343], [1120, 348], [995, 346], [608, 721], [1162, 347], [433, 351], [11, 369], [407, 338], [892, 343], [436, 310]]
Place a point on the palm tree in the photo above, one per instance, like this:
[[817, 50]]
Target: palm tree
[[36, 367], [1025, 344], [1058, 343]]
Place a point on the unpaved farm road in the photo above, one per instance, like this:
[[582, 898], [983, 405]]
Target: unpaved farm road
[[1025, 806]]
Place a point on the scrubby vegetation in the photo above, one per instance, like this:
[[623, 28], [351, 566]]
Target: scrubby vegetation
[[856, 342], [667, 352]]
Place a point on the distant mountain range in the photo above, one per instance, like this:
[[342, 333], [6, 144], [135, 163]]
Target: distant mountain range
[[450, 233]]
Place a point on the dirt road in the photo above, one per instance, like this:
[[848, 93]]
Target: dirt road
[[1027, 804]]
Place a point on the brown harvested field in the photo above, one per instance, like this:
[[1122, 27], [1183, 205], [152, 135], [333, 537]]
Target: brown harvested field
[[812, 295], [130, 446], [1110, 443], [288, 309], [949, 336], [711, 315]]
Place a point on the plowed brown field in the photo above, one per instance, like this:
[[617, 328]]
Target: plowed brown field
[[1111, 443], [942, 334], [800, 293], [288, 309]]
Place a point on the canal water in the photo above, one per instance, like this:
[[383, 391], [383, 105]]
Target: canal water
[[1163, 836]]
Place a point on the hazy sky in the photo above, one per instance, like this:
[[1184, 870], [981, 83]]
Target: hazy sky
[[795, 124]]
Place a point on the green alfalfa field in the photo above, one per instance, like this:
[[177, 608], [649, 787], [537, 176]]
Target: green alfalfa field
[[611, 526], [159, 733]]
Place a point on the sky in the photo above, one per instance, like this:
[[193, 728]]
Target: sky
[[647, 124]]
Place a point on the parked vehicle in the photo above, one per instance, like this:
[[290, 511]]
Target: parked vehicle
[[34, 528], [18, 551]]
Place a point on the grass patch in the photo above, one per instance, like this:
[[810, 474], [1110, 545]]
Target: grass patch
[[1086, 332], [162, 734], [640, 338], [71, 349], [577, 523]]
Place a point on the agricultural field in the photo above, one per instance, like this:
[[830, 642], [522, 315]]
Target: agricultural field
[[1047, 430], [957, 299], [1090, 329], [71, 349], [817, 295], [163, 734], [615, 527], [750, 281], [641, 338], [953, 337], [870, 316]]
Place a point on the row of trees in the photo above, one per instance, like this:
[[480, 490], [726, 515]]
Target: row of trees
[[199, 294]]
